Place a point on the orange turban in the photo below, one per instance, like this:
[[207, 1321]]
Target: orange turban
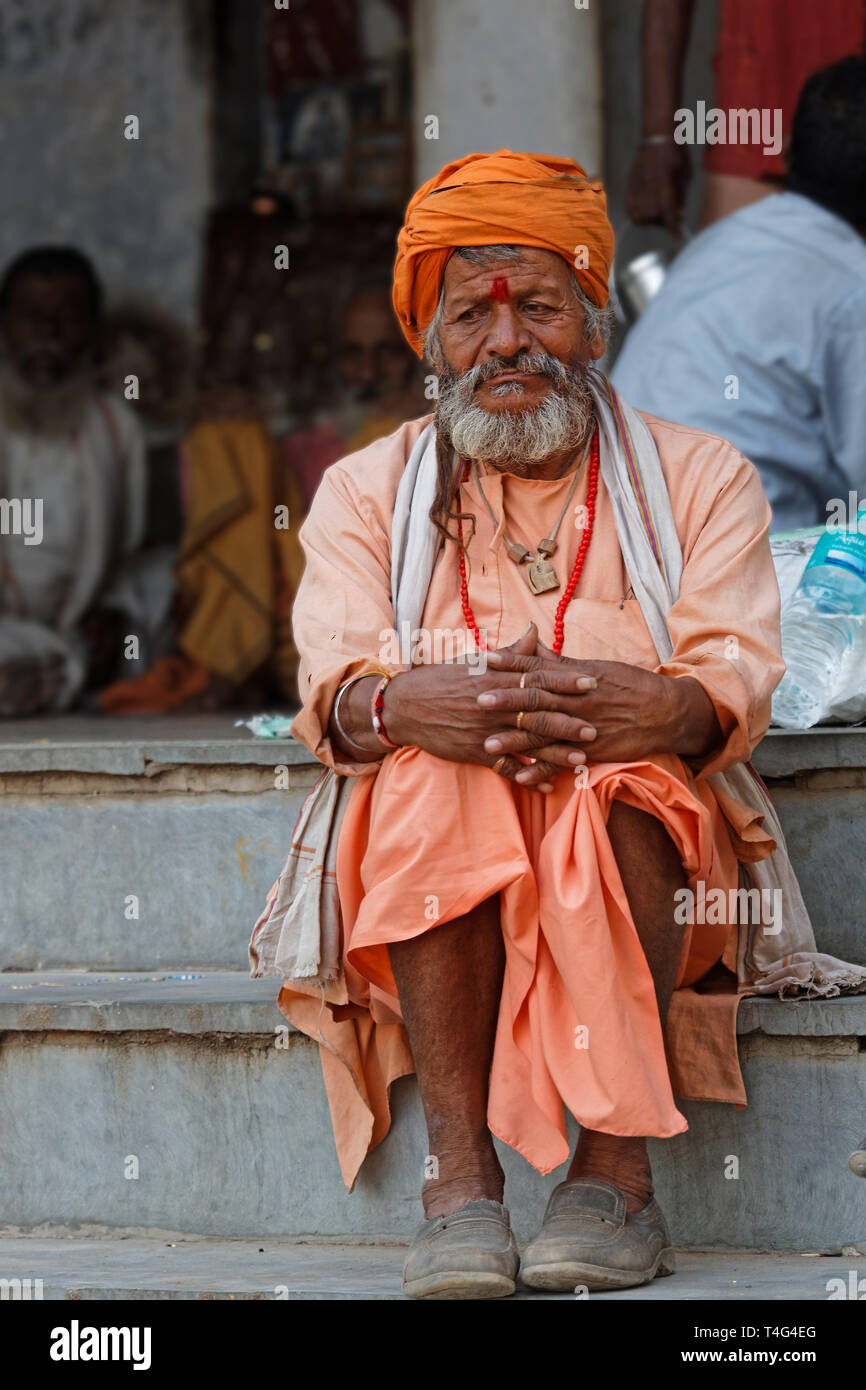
[[491, 199]]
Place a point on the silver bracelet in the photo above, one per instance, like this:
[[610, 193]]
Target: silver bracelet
[[350, 742], [657, 140]]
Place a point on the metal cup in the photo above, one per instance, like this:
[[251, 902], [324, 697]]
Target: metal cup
[[640, 280]]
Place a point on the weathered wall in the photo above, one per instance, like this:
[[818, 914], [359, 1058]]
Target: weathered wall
[[69, 75], [510, 75], [545, 76]]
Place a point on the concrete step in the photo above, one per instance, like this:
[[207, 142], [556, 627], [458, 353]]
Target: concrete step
[[179, 1100], [183, 1267], [131, 844]]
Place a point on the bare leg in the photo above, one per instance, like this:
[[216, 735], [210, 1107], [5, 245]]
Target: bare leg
[[449, 983], [651, 872]]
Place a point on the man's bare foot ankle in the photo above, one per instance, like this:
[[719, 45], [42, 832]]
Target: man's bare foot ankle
[[456, 1178], [620, 1160]]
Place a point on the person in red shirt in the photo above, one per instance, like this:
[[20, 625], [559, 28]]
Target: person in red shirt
[[765, 53]]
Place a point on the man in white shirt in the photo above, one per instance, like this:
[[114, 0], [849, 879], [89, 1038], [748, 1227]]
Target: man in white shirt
[[72, 487], [759, 332]]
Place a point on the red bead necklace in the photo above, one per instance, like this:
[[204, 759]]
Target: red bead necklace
[[558, 628]]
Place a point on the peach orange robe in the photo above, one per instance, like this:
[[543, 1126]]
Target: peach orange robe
[[425, 840]]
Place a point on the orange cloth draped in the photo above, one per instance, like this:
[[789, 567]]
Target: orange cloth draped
[[573, 958], [423, 840], [491, 199]]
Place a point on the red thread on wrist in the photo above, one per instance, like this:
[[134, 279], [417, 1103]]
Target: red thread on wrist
[[377, 708]]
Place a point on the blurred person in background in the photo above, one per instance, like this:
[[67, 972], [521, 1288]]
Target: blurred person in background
[[72, 488], [238, 566], [238, 559], [758, 333], [765, 53], [376, 387]]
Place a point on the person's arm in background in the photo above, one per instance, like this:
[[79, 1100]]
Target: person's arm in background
[[841, 373], [659, 175]]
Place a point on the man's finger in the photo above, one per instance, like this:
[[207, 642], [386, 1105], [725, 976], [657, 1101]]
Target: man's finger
[[556, 673], [545, 725], [548, 653], [526, 642], [540, 694], [525, 774], [505, 766], [524, 646], [553, 754], [561, 755], [506, 659], [539, 775]]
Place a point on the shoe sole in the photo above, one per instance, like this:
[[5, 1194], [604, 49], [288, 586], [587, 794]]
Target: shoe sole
[[565, 1275], [460, 1286]]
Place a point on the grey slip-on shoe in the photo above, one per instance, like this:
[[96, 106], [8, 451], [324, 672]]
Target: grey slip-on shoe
[[470, 1253], [589, 1238]]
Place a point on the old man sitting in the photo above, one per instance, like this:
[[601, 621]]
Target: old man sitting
[[519, 826]]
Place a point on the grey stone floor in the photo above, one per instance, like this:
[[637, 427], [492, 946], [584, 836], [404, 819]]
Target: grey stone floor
[[194, 1268]]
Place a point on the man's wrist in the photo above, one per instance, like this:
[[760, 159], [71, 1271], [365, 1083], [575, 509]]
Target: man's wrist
[[693, 724], [354, 731], [393, 710]]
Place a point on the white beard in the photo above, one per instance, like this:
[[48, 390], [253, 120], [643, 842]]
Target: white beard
[[518, 437]]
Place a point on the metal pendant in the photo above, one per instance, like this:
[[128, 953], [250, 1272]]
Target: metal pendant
[[540, 575]]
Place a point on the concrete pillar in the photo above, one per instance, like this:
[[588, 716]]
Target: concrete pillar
[[507, 74]]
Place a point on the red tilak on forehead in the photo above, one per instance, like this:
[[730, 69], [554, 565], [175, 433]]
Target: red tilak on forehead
[[499, 289]]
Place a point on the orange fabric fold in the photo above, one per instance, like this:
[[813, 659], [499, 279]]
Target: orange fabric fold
[[491, 199], [578, 1024]]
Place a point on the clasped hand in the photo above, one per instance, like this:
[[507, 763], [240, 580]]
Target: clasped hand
[[572, 712]]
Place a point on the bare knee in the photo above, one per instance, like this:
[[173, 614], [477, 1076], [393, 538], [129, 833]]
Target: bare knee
[[638, 838]]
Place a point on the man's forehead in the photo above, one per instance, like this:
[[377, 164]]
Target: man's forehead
[[530, 264]]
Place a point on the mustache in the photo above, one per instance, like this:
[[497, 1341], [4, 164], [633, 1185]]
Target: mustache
[[526, 435], [534, 363]]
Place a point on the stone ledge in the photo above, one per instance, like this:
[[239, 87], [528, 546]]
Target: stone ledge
[[139, 745], [217, 1001], [225, 1001], [845, 1017], [786, 752], [157, 779], [130, 746]]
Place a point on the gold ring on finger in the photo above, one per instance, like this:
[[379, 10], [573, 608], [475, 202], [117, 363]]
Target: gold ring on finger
[[499, 764], [521, 716], [523, 681]]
